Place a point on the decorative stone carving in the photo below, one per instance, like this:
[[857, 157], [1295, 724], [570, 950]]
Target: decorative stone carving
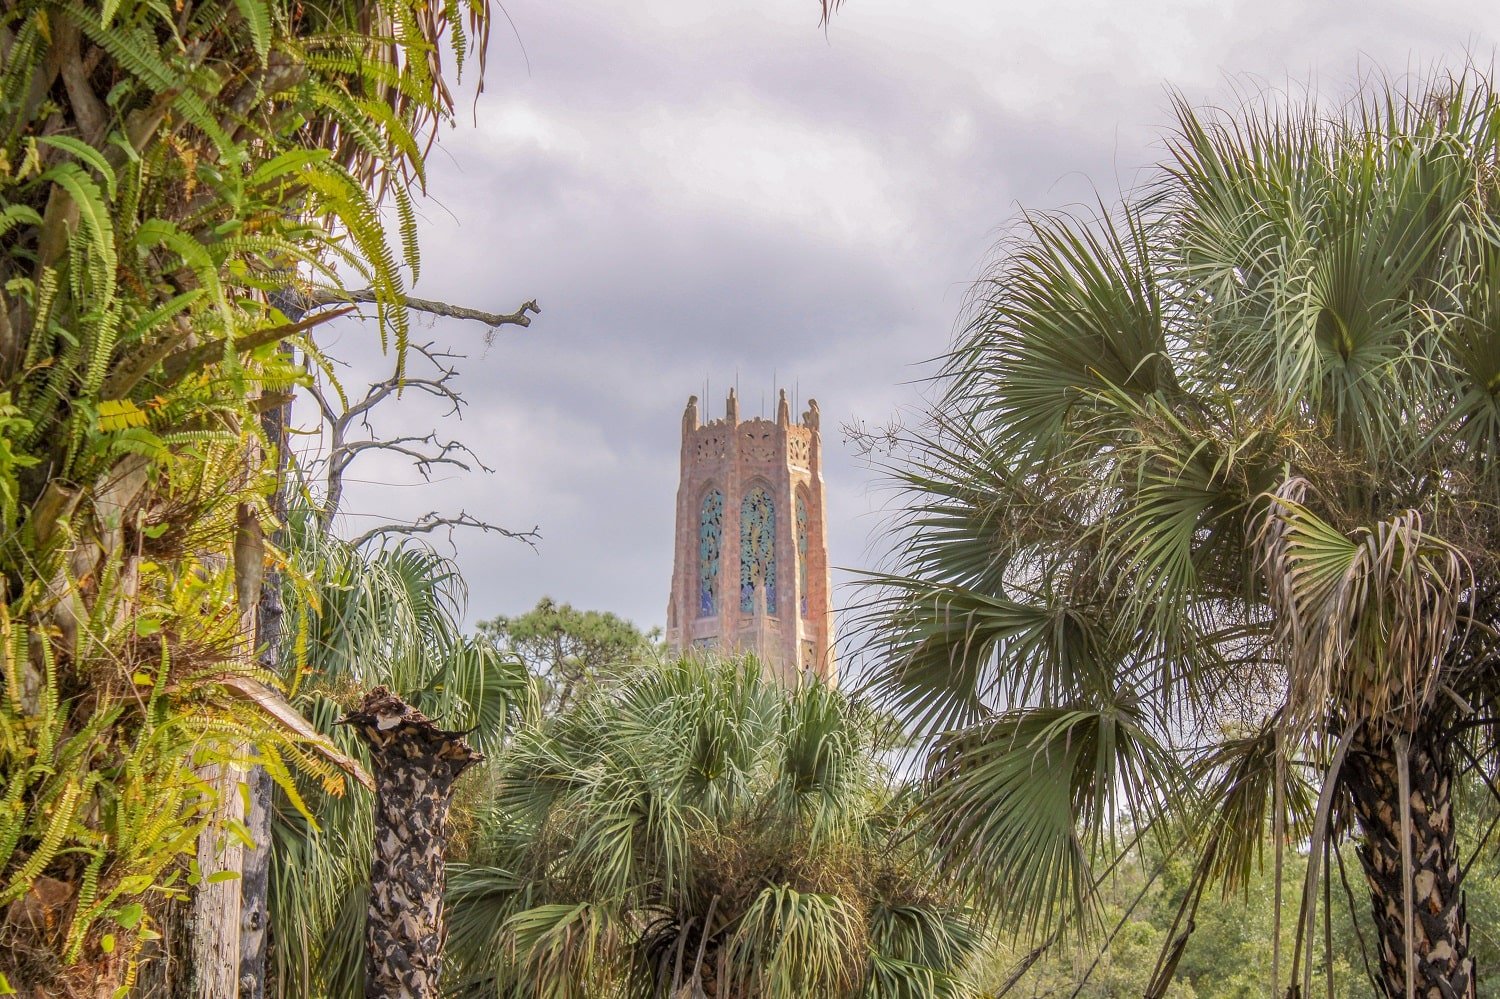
[[798, 448], [811, 418], [711, 447], [758, 440]]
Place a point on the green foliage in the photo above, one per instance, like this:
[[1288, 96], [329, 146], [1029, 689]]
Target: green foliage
[[168, 174], [695, 829], [1202, 524], [567, 648]]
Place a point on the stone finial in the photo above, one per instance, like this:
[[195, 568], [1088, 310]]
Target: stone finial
[[732, 408], [690, 415], [783, 417], [810, 418]]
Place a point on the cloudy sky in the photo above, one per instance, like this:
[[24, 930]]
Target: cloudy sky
[[710, 190]]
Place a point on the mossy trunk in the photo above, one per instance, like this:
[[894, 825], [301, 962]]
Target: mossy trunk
[[416, 764], [1442, 965]]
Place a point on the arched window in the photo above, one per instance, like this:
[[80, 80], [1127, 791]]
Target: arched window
[[757, 549], [710, 545], [802, 551]]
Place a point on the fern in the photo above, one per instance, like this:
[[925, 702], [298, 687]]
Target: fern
[[86, 153], [257, 14], [64, 810], [12, 216], [94, 214]]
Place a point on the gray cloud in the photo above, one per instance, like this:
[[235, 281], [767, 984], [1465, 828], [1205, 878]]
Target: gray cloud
[[693, 190]]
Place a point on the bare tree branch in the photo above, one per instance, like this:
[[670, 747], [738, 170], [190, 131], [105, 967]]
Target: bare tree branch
[[424, 459], [427, 451], [521, 317], [433, 521], [342, 451]]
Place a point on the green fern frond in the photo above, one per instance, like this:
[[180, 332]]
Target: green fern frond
[[257, 14], [86, 153], [94, 213]]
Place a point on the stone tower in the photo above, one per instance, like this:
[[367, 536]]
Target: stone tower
[[751, 566]]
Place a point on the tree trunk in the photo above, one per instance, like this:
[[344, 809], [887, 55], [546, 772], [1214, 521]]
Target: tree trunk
[[216, 901], [255, 883], [255, 917], [166, 965], [416, 764], [218, 904], [1443, 968]]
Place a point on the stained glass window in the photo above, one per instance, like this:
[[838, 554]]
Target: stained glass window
[[757, 549], [710, 544], [802, 551]]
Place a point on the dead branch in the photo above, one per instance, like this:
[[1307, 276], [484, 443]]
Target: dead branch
[[433, 521], [426, 450], [320, 297], [425, 460], [436, 386]]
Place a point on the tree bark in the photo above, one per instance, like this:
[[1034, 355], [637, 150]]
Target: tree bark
[[416, 764], [216, 902], [1443, 967], [255, 916]]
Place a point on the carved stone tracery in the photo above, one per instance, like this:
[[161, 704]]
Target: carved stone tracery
[[758, 440], [711, 447]]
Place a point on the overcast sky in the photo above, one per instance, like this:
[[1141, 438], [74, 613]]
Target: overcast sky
[[705, 190]]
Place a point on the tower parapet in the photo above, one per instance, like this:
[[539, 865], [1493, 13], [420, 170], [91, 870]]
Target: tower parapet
[[750, 571]]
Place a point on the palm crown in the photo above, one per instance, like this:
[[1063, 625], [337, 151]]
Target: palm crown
[[696, 830], [1201, 529]]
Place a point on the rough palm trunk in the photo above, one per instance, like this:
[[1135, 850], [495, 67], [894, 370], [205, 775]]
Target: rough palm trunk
[[416, 764], [1443, 968]]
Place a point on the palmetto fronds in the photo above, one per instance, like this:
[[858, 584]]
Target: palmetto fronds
[[696, 830], [1218, 465], [1364, 618]]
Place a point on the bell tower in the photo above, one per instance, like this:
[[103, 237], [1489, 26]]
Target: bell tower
[[750, 573]]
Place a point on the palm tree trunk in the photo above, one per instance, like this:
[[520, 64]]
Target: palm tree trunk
[[1443, 968], [416, 764]]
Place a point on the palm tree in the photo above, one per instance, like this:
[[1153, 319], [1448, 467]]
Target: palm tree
[[361, 619], [696, 830], [1202, 527]]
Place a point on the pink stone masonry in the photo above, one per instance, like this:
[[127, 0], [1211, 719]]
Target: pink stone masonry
[[791, 638]]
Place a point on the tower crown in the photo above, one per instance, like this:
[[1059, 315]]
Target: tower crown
[[750, 571]]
